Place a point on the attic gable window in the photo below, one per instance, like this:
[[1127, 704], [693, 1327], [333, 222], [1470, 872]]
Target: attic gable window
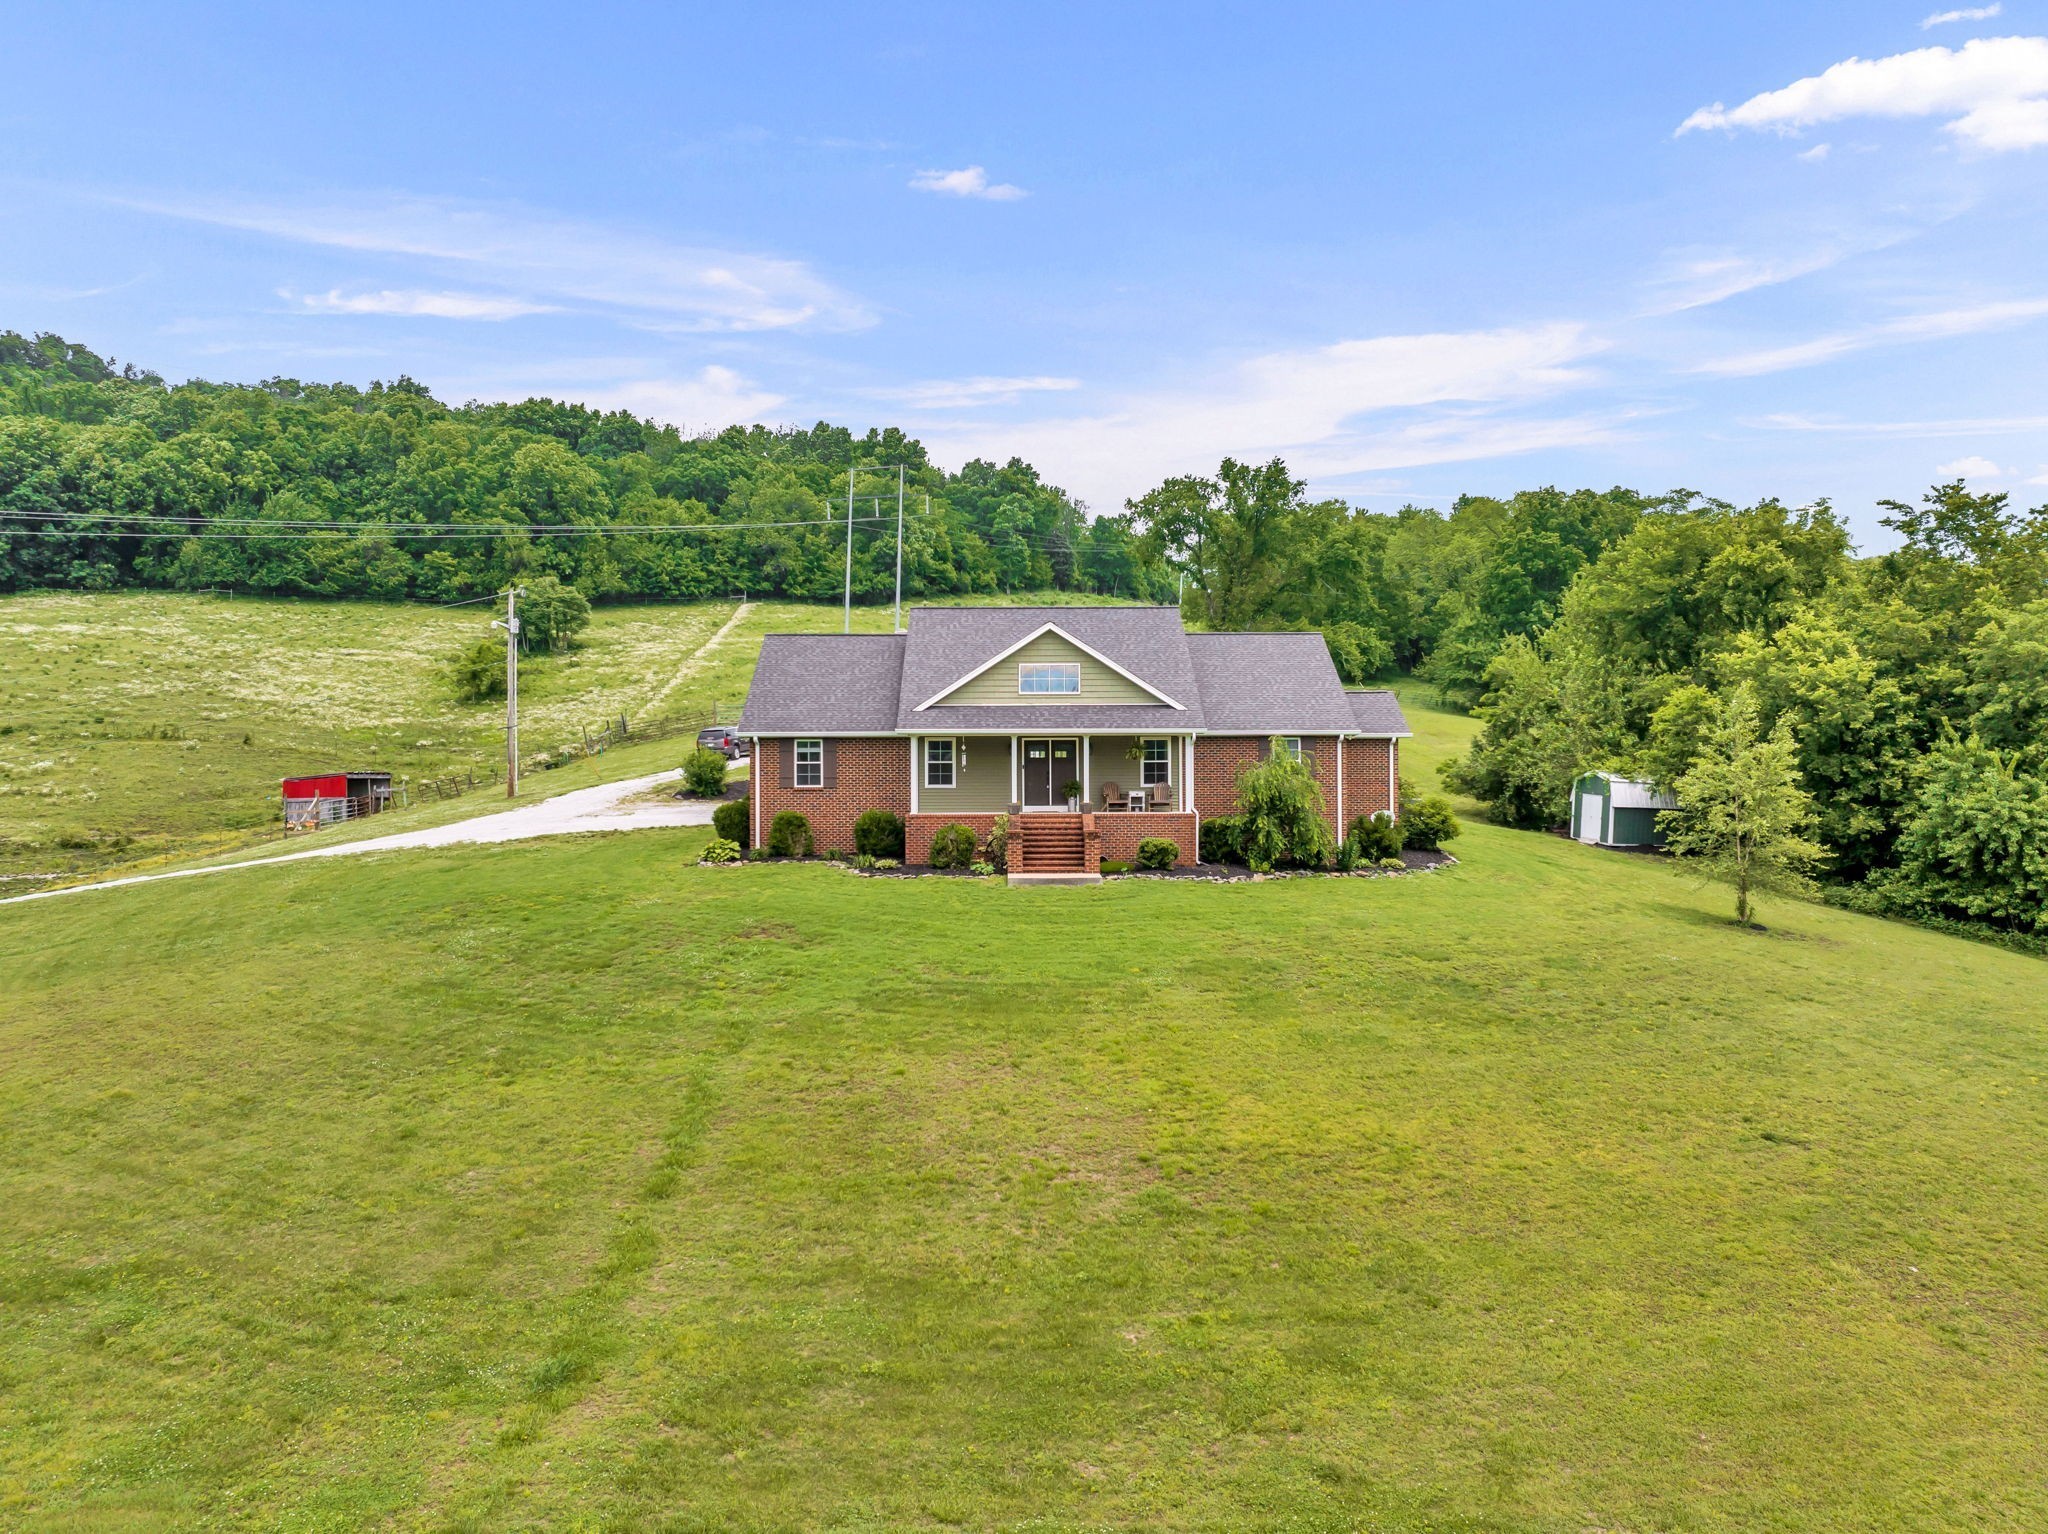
[[1049, 677]]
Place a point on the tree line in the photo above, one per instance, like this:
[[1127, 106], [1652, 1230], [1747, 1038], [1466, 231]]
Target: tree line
[[1587, 628]]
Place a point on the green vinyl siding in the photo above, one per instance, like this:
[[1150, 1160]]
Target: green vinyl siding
[[981, 778], [1108, 764], [997, 684]]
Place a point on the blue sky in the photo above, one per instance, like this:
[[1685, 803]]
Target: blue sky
[[1749, 249]]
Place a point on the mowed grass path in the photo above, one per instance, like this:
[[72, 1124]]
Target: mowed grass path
[[570, 1185]]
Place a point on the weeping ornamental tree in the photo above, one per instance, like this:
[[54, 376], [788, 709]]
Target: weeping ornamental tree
[[1280, 806], [1742, 815]]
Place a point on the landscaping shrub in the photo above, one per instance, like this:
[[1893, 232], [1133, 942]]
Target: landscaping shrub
[[1158, 852], [1347, 856], [1281, 805], [757, 854], [789, 836], [1222, 840], [719, 850], [1376, 836], [704, 773], [982, 867], [734, 820], [998, 849], [1427, 824], [953, 846], [879, 833]]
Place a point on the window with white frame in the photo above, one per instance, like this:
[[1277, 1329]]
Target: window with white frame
[[938, 764], [1157, 767], [810, 764], [1049, 676], [1293, 745]]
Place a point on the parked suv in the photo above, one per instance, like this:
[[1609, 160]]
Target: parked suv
[[720, 738]]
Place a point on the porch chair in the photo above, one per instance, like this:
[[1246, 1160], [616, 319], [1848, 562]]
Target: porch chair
[[1113, 797]]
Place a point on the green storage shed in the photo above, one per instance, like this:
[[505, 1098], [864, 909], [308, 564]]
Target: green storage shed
[[1609, 810]]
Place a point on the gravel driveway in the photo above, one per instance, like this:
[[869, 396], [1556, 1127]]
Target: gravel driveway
[[607, 807]]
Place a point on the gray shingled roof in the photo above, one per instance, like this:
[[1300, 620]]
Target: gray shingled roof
[[949, 643], [1378, 712], [1269, 683], [830, 684], [868, 684]]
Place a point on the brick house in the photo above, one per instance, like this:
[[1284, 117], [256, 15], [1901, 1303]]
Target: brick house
[[1091, 727]]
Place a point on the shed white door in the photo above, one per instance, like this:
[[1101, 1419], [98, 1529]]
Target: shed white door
[[1590, 807]]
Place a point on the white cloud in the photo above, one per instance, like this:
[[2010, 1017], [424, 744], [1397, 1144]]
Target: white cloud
[[1914, 327], [1993, 89], [666, 285], [1816, 153], [1977, 426], [710, 399], [1969, 13], [966, 393], [446, 306], [2038, 479], [970, 182], [1316, 408], [1695, 279], [1972, 467]]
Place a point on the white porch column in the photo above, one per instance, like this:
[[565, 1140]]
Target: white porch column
[[1087, 785], [916, 769], [1187, 777], [1016, 772]]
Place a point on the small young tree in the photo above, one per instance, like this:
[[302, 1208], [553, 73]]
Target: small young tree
[[1741, 811], [1280, 813]]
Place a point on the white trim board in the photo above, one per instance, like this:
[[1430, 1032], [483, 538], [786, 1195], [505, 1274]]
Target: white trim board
[[1037, 633]]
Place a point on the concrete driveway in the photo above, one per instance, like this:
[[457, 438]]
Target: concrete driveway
[[607, 807]]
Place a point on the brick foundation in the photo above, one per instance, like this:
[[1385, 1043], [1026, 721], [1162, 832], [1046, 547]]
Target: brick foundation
[[918, 831], [1121, 834], [869, 775]]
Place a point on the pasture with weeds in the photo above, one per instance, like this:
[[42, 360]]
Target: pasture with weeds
[[136, 727], [568, 1184]]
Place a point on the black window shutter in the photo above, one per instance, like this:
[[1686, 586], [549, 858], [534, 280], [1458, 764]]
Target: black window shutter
[[831, 764], [785, 762]]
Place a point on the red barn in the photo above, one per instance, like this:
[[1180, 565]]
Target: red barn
[[310, 803]]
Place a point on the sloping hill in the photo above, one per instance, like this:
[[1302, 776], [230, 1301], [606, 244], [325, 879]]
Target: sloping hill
[[151, 726], [569, 1184]]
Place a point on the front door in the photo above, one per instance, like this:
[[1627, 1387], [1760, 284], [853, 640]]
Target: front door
[[1049, 765]]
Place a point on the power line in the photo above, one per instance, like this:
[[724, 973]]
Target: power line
[[65, 525]]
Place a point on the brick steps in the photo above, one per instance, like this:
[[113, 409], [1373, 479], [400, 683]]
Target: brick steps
[[1049, 844]]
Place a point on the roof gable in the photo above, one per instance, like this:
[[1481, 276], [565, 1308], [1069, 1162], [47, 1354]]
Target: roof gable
[[995, 683]]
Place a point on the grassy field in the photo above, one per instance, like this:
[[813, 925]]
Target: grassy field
[[140, 727], [570, 1185]]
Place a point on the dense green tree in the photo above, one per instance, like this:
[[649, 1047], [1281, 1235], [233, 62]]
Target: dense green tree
[[1975, 846]]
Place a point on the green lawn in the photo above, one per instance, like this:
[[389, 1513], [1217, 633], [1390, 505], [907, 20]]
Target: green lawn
[[570, 1185], [138, 728]]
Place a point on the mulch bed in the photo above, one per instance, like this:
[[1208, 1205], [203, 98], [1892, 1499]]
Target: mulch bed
[[1210, 873]]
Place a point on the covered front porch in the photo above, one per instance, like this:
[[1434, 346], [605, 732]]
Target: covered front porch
[[1116, 774]]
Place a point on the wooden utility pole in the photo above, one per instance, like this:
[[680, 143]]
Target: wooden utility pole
[[511, 628], [899, 548]]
